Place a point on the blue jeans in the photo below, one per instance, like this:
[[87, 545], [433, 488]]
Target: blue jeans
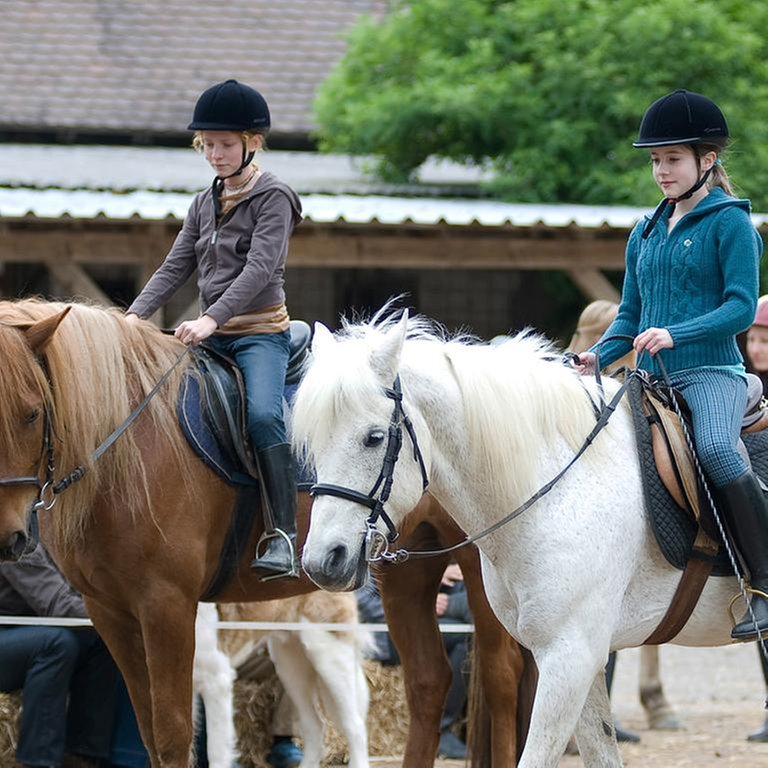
[[68, 682], [262, 359], [127, 747]]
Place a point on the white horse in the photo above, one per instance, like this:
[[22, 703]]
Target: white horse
[[318, 668], [576, 575]]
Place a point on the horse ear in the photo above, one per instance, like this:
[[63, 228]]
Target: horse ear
[[39, 334], [321, 339], [385, 359]]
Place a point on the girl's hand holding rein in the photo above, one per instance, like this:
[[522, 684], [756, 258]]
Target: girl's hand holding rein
[[653, 340], [586, 363], [195, 331]]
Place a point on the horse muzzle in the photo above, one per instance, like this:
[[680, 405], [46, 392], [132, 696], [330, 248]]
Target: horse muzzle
[[336, 569], [14, 546]]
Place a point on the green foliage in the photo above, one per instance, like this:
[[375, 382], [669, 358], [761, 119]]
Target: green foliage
[[547, 92]]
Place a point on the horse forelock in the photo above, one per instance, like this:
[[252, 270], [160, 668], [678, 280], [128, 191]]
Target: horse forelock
[[22, 381], [99, 367], [341, 383]]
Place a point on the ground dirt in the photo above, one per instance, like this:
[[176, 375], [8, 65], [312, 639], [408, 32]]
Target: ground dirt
[[717, 693]]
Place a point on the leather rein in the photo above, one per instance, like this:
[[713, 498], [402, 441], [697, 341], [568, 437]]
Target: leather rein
[[47, 488], [376, 544]]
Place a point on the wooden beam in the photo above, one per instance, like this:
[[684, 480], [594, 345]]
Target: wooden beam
[[594, 284], [75, 282], [338, 246]]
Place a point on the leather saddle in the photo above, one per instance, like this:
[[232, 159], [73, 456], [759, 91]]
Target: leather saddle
[[672, 455], [679, 511], [211, 407]]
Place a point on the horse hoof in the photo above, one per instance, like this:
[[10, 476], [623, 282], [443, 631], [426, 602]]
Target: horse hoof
[[665, 722]]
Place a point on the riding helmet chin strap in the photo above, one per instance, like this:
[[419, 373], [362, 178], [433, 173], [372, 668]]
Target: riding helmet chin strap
[[662, 206], [217, 187]]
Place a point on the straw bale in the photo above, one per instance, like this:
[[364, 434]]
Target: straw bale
[[10, 703], [255, 702]]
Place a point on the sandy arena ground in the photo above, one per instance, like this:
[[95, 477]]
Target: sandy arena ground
[[718, 694]]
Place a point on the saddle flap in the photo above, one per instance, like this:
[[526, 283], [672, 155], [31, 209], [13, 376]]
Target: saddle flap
[[671, 453]]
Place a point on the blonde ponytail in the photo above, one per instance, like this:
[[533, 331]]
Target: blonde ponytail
[[719, 176]]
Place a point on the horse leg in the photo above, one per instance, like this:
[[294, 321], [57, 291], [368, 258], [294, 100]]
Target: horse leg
[[213, 678], [567, 671], [343, 689], [499, 660], [414, 629], [168, 628], [661, 716], [122, 635], [595, 734], [299, 679]]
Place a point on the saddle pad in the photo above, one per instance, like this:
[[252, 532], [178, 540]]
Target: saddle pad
[[195, 422], [673, 527]]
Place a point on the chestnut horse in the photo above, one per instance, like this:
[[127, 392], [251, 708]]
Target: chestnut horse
[[139, 529]]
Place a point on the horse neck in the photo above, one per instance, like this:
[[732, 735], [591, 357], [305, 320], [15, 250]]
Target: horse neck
[[434, 404]]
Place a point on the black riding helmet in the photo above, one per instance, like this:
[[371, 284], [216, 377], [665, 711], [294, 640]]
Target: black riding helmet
[[681, 117], [230, 106]]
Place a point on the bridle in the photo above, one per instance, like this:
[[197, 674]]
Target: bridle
[[376, 543], [46, 497], [47, 488]]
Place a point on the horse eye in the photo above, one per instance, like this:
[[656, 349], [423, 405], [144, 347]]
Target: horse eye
[[373, 438], [31, 416]]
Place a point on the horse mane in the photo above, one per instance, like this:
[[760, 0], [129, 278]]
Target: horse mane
[[98, 367], [516, 396]]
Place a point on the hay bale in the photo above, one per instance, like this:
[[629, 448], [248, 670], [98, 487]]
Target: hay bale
[[387, 715], [255, 702], [10, 706]]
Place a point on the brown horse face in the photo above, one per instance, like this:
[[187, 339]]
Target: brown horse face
[[21, 466], [22, 429]]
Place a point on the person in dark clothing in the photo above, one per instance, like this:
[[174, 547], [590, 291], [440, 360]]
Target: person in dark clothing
[[451, 607], [757, 363], [68, 680]]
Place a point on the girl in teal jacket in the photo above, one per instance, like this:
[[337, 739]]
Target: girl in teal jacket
[[691, 285]]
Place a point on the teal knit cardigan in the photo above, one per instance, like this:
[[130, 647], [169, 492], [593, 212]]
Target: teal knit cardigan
[[700, 281]]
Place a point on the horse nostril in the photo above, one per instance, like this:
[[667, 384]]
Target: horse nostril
[[335, 558], [15, 547]]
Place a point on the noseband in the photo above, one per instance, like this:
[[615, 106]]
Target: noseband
[[376, 543]]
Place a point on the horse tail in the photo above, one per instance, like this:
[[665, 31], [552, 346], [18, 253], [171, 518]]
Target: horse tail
[[479, 717]]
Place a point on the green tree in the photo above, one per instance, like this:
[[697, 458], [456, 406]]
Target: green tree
[[549, 93]]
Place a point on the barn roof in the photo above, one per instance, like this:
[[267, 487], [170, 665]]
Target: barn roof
[[114, 66]]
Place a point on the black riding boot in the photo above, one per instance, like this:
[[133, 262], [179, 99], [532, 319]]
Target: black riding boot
[[746, 515], [278, 553]]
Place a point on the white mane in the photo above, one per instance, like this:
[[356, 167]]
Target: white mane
[[517, 396]]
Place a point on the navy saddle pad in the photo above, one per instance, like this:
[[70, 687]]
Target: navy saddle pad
[[211, 413]]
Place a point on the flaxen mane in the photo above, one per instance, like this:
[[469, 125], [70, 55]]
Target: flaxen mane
[[98, 367]]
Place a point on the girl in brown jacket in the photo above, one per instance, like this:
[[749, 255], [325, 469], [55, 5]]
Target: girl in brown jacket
[[236, 235]]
